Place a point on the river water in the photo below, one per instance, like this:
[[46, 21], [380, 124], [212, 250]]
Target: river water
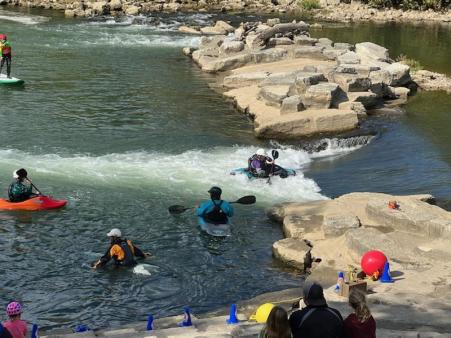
[[115, 119]]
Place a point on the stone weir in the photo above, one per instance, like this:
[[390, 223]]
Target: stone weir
[[294, 85]]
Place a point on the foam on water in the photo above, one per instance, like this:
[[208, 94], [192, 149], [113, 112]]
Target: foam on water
[[188, 173], [152, 40], [24, 19]]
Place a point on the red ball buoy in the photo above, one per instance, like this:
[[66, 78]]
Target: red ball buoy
[[373, 261]]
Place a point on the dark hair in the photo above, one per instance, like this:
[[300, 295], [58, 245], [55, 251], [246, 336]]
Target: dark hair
[[357, 300], [277, 325]]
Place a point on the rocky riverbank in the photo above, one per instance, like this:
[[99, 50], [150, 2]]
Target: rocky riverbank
[[415, 237], [293, 85], [331, 10], [358, 12]]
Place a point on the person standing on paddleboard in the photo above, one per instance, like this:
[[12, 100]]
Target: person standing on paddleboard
[[122, 251], [215, 211], [5, 55], [18, 191]]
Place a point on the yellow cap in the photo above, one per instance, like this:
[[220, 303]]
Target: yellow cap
[[262, 313]]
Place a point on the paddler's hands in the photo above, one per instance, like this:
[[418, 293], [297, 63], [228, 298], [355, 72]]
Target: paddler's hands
[[95, 265], [147, 254]]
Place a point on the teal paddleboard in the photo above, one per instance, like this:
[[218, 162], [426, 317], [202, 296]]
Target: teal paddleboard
[[12, 81]]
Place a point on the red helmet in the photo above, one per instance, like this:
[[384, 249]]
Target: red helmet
[[3, 37]]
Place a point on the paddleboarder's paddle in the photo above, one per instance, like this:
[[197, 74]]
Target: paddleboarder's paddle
[[178, 209]]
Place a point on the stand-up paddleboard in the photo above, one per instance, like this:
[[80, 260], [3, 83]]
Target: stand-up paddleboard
[[217, 230], [12, 81]]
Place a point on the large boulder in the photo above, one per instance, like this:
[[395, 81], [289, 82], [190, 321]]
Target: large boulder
[[306, 79], [211, 42], [132, 10], [337, 225], [305, 40], [270, 55], [213, 30], [351, 82], [332, 53], [322, 96], [274, 95], [222, 25], [100, 8], [358, 107], [363, 70], [314, 52], [244, 79], [116, 5], [325, 42], [349, 58], [280, 42], [291, 104], [399, 74], [368, 99], [369, 51], [291, 251], [188, 30], [343, 45], [231, 47]]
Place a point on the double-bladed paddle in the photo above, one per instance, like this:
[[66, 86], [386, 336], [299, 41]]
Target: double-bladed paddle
[[275, 156], [178, 209]]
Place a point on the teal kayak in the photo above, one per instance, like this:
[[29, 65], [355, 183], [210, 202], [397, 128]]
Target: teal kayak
[[217, 230], [12, 81]]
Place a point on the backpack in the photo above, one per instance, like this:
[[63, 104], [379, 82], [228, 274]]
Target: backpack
[[128, 254], [217, 215]]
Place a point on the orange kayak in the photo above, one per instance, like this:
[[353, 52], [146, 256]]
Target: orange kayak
[[33, 204]]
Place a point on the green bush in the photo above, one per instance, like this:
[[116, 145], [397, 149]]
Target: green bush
[[412, 63], [309, 4]]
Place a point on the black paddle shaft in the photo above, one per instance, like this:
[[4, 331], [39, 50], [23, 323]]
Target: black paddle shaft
[[178, 209]]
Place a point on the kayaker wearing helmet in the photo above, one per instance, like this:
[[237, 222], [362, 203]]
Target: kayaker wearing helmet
[[260, 164], [122, 251], [216, 210], [5, 54], [16, 327], [18, 191]]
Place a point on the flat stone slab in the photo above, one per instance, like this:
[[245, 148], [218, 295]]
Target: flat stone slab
[[270, 55], [227, 63], [291, 104], [349, 58], [304, 40], [368, 99], [295, 226], [314, 52], [372, 51], [337, 224], [244, 79]]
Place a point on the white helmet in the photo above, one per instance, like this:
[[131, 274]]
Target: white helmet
[[261, 152], [114, 233]]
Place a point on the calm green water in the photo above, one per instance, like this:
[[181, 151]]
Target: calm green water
[[115, 119]]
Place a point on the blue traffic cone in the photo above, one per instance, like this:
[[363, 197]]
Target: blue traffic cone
[[187, 317], [34, 331], [386, 277], [232, 316], [149, 323]]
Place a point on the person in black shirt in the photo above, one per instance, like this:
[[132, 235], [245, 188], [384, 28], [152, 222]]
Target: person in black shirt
[[317, 319]]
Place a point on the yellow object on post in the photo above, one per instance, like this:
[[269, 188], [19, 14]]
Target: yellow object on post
[[262, 313]]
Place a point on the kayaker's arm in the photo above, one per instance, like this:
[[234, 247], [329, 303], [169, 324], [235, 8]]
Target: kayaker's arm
[[103, 260], [227, 208], [138, 252], [200, 211]]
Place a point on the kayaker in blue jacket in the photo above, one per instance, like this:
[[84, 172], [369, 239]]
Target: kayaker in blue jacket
[[216, 210], [19, 191]]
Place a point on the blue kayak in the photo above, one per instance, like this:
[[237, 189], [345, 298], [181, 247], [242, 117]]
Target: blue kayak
[[217, 230], [278, 171]]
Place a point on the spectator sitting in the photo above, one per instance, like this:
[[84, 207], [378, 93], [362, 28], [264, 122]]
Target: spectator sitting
[[16, 327], [4, 333], [361, 323], [317, 319], [277, 325]]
